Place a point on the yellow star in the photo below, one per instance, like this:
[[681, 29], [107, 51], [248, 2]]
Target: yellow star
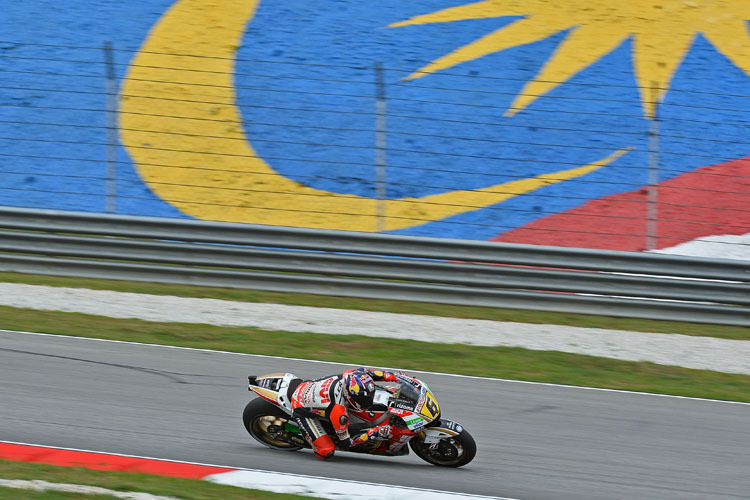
[[662, 31]]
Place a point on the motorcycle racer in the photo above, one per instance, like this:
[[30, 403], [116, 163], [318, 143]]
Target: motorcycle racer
[[333, 398]]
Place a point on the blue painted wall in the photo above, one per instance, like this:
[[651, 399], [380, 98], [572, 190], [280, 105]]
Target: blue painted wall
[[439, 140]]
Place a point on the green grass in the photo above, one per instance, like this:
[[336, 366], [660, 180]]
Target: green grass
[[500, 362], [185, 489], [394, 306], [18, 494]]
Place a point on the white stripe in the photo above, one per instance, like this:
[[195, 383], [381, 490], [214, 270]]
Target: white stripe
[[39, 485], [336, 489], [475, 377]]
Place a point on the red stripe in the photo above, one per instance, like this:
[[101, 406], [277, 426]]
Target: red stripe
[[714, 203], [105, 461]]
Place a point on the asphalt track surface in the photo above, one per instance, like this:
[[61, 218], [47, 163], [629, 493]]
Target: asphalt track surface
[[535, 441]]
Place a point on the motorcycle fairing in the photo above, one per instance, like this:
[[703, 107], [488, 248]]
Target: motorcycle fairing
[[415, 405], [444, 428], [273, 388]]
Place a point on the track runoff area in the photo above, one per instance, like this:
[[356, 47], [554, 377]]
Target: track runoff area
[[277, 482]]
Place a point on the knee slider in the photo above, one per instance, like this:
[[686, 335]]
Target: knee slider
[[324, 457]]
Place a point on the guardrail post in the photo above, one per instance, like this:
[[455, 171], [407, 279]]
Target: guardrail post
[[380, 147], [652, 202], [109, 61]]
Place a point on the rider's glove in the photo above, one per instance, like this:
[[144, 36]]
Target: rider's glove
[[385, 431]]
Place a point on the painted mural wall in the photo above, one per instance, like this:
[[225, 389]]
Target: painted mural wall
[[528, 121]]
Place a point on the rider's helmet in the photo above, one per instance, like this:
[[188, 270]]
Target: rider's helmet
[[359, 389]]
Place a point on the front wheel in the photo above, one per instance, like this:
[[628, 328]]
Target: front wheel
[[454, 451], [267, 424]]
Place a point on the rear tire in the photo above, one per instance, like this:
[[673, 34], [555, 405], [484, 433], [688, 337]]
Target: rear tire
[[455, 451], [265, 422]]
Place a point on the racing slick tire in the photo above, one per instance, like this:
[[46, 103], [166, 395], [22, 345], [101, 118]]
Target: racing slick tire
[[455, 451], [266, 423]]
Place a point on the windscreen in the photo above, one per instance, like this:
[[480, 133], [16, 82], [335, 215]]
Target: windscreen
[[408, 391]]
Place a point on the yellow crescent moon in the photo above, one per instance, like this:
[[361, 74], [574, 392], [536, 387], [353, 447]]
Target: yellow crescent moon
[[180, 124]]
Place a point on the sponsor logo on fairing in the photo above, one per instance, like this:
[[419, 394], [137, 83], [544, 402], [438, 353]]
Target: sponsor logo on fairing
[[411, 382], [403, 404], [454, 426], [415, 422]]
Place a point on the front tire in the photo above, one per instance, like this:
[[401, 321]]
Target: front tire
[[455, 451], [265, 422]]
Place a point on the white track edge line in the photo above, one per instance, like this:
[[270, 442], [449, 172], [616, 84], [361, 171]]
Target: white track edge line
[[305, 476], [475, 377]]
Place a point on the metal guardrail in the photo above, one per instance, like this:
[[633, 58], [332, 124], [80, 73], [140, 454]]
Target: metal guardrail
[[370, 265]]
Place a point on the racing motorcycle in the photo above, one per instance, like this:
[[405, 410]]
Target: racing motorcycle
[[410, 408]]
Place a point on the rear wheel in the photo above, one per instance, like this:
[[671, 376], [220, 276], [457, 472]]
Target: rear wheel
[[454, 451], [267, 424]]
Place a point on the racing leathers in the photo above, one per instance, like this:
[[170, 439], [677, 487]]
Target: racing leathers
[[325, 398]]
